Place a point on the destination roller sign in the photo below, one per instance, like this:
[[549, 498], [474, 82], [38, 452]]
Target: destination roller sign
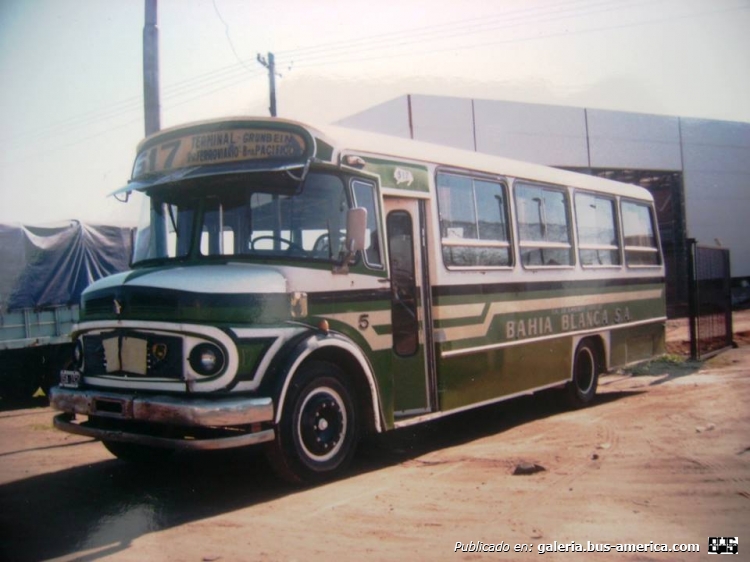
[[218, 147]]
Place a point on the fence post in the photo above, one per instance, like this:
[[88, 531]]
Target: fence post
[[692, 298], [728, 291]]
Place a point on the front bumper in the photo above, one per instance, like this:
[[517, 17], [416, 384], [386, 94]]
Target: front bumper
[[220, 423]]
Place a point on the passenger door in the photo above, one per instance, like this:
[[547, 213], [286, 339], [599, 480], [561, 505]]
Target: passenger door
[[413, 388]]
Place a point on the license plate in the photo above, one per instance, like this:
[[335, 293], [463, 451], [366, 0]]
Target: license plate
[[70, 379]]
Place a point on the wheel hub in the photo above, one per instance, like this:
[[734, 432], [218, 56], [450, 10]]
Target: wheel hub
[[322, 424]]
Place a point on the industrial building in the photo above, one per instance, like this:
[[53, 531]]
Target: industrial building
[[697, 169]]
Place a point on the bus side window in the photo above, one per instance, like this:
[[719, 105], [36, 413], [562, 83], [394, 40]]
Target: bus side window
[[598, 241], [639, 235], [473, 222], [543, 226]]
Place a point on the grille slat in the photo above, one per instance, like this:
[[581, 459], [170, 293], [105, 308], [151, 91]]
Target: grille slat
[[130, 354], [132, 303]]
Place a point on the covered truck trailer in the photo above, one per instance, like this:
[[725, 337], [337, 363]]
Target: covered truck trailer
[[43, 271]]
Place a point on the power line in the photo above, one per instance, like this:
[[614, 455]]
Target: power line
[[471, 25], [134, 104], [236, 73], [109, 129], [458, 31], [229, 38], [243, 78], [566, 33], [229, 72]]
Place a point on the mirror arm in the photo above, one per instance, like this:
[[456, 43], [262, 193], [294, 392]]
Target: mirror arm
[[356, 223], [342, 267]]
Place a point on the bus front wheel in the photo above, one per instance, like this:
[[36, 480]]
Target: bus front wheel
[[586, 368], [318, 432]]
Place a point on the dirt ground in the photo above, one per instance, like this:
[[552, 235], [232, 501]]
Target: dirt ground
[[660, 458]]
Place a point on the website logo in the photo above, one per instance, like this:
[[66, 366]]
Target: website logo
[[723, 545]]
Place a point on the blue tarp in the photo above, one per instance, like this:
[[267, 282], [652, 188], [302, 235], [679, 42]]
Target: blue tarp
[[45, 266]]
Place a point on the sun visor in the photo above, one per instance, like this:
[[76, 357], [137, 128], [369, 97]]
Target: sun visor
[[145, 183], [182, 174]]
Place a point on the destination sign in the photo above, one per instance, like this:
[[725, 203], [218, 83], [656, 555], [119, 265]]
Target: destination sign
[[219, 147]]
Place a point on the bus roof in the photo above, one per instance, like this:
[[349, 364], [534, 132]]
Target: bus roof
[[332, 142], [397, 148]]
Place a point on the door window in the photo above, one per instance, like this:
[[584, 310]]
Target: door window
[[403, 284]]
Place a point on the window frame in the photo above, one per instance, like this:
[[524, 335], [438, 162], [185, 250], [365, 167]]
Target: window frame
[[376, 200], [569, 216], [619, 246], [503, 184], [656, 249], [405, 330]]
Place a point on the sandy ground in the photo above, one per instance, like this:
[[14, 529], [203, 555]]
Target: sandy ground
[[662, 457]]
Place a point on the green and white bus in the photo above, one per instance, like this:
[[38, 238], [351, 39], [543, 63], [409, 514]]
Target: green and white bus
[[302, 288]]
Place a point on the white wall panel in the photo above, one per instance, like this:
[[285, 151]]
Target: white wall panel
[[717, 186], [443, 120], [544, 134], [717, 133], [633, 140], [389, 118]]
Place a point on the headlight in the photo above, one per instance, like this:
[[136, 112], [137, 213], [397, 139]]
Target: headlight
[[206, 359]]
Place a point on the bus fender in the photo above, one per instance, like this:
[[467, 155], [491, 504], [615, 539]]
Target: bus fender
[[315, 342], [601, 341]]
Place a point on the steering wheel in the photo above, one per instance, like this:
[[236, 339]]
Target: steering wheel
[[290, 245], [322, 244]]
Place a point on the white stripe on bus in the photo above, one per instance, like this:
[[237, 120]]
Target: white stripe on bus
[[598, 329], [457, 333]]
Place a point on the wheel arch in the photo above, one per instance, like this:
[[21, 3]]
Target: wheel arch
[[340, 351], [601, 346]]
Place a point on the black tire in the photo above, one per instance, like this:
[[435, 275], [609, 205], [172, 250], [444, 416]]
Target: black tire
[[318, 433], [586, 369], [138, 454]]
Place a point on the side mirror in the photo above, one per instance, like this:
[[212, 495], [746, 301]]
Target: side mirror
[[356, 232], [356, 229]]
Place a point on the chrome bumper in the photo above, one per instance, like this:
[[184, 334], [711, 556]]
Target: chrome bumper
[[167, 410]]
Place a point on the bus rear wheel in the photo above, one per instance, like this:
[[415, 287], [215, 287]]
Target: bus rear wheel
[[318, 432], [586, 368]]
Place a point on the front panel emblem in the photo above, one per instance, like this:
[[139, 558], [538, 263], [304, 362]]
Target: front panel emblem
[[159, 351], [403, 176], [117, 307], [298, 302]]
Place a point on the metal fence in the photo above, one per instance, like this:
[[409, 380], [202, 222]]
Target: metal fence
[[709, 283]]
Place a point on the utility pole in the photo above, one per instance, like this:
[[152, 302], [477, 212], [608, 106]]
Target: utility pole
[[151, 109], [271, 66]]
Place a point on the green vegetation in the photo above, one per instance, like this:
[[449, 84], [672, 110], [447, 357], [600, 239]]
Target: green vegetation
[[668, 364]]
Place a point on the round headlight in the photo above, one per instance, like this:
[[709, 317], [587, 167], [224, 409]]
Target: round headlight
[[206, 359]]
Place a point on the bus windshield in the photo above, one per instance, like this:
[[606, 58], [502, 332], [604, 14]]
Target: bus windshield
[[249, 215]]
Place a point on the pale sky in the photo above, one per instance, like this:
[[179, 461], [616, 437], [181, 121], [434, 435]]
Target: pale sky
[[71, 103]]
